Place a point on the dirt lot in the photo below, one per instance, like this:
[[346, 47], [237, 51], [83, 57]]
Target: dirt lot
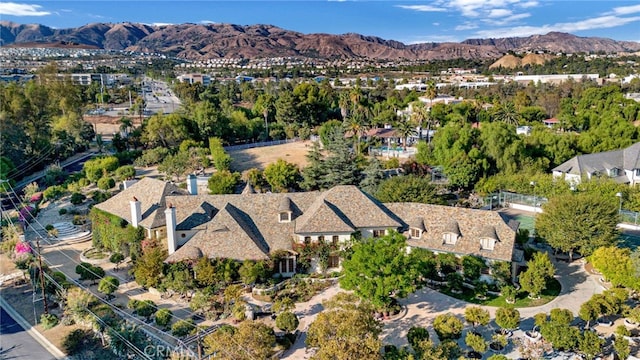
[[261, 157]]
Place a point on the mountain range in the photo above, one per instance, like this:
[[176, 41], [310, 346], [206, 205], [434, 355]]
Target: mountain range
[[209, 41]]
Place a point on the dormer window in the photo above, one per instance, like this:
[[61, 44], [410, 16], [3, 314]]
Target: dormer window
[[285, 217], [449, 238], [487, 244], [416, 228], [488, 238], [451, 233], [614, 172], [285, 210]]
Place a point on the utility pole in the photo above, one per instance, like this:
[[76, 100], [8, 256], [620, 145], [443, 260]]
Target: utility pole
[[44, 296]]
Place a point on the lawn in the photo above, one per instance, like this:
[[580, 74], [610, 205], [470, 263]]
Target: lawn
[[468, 295]]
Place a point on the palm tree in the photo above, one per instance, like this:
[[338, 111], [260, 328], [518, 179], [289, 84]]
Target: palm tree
[[357, 126], [405, 129], [420, 114], [507, 113], [343, 102]]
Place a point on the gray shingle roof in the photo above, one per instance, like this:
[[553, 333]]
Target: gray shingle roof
[[472, 224], [628, 158], [489, 232], [151, 193]]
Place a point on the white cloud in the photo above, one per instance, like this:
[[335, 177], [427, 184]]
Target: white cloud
[[506, 20], [626, 10], [15, 9], [436, 24], [422, 8], [466, 26], [602, 22], [528, 4], [206, 22], [494, 13]]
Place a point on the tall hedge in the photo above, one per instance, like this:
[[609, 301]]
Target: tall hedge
[[113, 233]]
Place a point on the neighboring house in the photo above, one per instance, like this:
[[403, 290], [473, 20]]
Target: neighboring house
[[621, 165], [257, 226], [523, 130], [550, 123]]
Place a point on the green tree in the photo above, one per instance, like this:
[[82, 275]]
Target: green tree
[[250, 340], [539, 271], [163, 317], [506, 113], [221, 160], [409, 188], [476, 315], [223, 182], [145, 308], [313, 175], [476, 342], [125, 172], [281, 175], [621, 347], [287, 321], [345, 330], [108, 285], [447, 326], [148, 267], [416, 335], [378, 268], [183, 327], [590, 344], [578, 222], [507, 318], [616, 265]]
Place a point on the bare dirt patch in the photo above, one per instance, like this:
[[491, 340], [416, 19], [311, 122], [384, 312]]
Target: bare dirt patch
[[261, 157]]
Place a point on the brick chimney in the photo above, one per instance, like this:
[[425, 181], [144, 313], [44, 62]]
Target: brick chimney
[[136, 211], [170, 214]]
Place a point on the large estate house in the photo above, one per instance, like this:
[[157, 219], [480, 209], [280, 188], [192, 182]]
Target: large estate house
[[254, 226], [621, 165]]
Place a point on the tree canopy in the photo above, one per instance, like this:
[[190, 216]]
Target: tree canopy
[[578, 222], [378, 268]]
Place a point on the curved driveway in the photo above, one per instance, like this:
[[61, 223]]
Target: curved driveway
[[424, 305]]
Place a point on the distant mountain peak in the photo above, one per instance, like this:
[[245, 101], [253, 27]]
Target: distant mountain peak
[[215, 40]]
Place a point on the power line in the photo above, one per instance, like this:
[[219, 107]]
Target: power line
[[93, 273], [114, 308]]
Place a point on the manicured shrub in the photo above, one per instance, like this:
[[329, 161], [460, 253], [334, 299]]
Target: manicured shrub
[[106, 183], [48, 321], [287, 321], [145, 308], [62, 211], [163, 317], [447, 326], [77, 198], [182, 327], [132, 304]]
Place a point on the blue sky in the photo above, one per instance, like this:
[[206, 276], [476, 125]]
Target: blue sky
[[406, 21]]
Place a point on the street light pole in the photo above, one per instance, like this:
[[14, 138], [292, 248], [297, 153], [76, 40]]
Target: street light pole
[[533, 185]]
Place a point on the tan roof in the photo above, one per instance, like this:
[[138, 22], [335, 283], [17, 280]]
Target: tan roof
[[151, 193], [472, 224], [249, 219], [248, 189], [323, 213], [232, 237], [354, 208], [418, 223]]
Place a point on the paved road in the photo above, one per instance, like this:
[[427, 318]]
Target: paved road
[[16, 343]]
